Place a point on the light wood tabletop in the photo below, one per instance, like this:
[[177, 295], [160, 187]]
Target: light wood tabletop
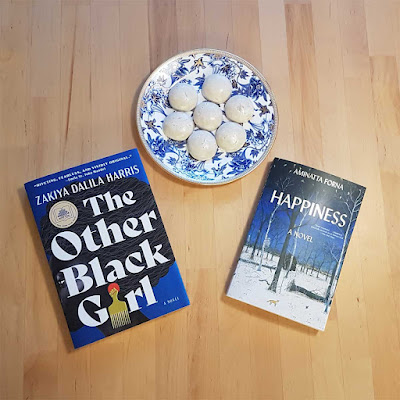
[[70, 73]]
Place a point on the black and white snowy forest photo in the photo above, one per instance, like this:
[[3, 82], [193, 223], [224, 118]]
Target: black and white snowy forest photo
[[294, 250]]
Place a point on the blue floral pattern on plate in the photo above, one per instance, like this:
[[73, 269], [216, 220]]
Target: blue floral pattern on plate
[[192, 67]]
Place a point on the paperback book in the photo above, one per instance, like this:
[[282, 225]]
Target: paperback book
[[106, 245], [294, 250]]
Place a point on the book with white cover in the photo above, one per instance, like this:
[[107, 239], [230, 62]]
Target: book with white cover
[[294, 250]]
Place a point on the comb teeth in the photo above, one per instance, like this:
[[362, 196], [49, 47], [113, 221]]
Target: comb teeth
[[120, 319]]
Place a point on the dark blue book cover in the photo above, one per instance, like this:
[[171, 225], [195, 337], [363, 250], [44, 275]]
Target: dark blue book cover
[[294, 250], [106, 245]]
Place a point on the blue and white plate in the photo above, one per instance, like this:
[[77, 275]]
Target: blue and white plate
[[192, 67]]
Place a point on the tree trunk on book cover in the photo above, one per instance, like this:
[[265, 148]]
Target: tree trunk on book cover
[[263, 221], [337, 265], [256, 241], [329, 293], [285, 246], [295, 244], [320, 266], [263, 249], [247, 244], [255, 248], [271, 219], [353, 204]]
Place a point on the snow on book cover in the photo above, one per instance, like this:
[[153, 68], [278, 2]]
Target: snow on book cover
[[294, 250], [106, 245]]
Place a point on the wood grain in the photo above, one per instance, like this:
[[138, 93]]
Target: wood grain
[[70, 73]]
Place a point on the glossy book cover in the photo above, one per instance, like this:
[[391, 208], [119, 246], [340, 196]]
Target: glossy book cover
[[106, 245], [294, 250]]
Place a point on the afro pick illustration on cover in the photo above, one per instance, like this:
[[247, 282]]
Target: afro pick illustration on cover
[[107, 247]]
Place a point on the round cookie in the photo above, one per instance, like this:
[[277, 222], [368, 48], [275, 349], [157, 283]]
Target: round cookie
[[239, 108], [230, 137], [202, 145], [178, 126], [217, 88], [207, 116], [183, 97]]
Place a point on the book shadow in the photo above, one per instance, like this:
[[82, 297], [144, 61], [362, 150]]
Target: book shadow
[[45, 270]]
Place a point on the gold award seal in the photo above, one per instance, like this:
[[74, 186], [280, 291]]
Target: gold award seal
[[63, 214]]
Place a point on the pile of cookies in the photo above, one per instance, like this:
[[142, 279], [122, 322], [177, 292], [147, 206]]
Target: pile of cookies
[[202, 144]]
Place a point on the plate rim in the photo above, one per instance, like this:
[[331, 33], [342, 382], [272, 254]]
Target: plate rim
[[222, 53]]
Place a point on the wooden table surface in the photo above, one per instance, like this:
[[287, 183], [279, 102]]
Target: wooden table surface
[[70, 73]]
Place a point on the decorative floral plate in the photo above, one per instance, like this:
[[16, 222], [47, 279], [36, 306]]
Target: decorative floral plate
[[192, 67]]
